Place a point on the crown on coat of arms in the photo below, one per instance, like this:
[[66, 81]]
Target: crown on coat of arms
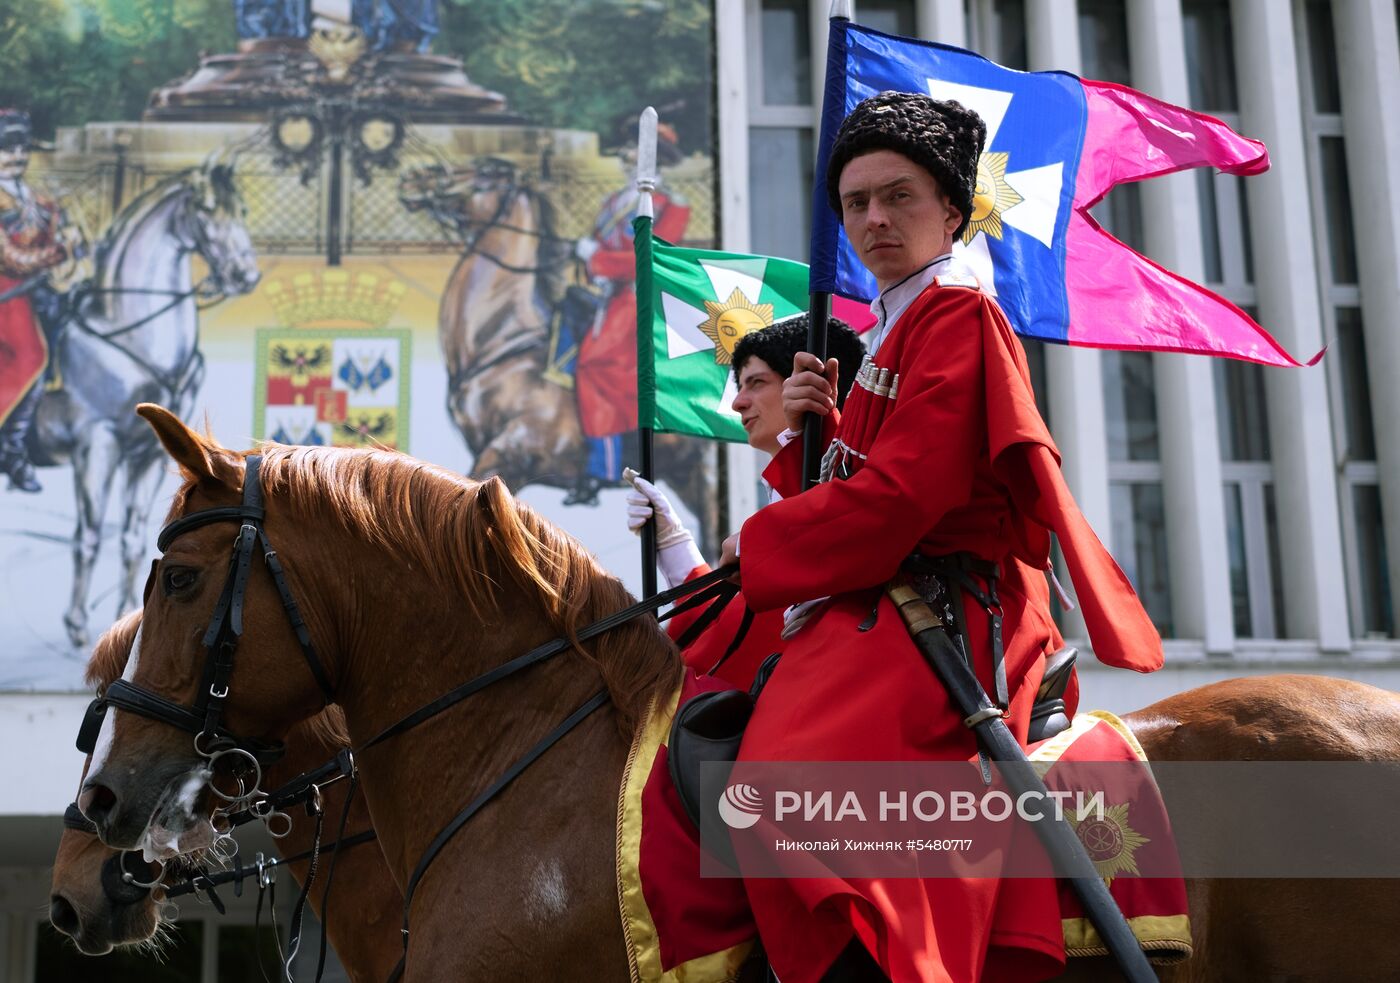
[[335, 298]]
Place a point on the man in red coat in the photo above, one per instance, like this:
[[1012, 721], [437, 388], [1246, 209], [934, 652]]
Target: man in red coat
[[762, 361], [940, 452], [35, 237]]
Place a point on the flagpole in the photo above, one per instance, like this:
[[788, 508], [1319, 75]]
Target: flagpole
[[819, 312], [646, 184]]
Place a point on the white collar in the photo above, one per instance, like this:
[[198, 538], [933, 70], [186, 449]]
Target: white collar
[[895, 299]]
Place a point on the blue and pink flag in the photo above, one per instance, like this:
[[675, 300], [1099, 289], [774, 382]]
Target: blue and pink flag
[[1056, 144]]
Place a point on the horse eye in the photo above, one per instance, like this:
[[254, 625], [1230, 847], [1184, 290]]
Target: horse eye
[[178, 580]]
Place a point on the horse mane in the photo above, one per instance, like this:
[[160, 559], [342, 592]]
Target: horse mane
[[114, 240], [474, 540], [552, 256], [113, 648]]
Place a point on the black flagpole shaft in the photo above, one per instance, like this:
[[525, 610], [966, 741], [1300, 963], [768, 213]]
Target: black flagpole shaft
[[812, 448], [648, 530]]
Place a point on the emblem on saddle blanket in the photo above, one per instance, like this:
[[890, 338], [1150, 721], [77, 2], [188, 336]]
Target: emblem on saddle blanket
[[1118, 831]]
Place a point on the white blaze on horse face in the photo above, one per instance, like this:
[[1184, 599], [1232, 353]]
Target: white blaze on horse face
[[107, 733]]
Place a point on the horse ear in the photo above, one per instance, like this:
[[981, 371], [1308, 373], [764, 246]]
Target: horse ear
[[201, 459]]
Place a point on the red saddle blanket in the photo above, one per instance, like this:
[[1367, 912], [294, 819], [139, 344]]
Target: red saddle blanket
[[1128, 837], [680, 927]]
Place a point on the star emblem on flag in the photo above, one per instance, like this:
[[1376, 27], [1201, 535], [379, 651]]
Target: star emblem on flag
[[1027, 200], [730, 320]]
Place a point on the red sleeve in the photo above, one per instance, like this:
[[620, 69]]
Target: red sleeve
[[621, 264], [671, 222], [613, 264], [846, 535], [676, 626]]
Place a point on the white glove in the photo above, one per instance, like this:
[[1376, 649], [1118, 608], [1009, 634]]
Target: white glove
[[677, 553], [585, 248]]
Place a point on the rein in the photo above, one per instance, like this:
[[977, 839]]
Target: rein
[[212, 742]]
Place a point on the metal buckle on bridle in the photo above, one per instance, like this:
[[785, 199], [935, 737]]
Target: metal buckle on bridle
[[267, 872], [212, 762]]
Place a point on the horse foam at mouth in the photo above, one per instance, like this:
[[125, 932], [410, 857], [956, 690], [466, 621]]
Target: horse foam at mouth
[[174, 829]]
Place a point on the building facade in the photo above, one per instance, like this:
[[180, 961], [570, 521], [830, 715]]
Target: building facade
[[1247, 504], [1256, 510]]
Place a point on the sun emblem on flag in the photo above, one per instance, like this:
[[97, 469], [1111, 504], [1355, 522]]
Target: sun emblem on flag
[[730, 320], [1109, 840], [992, 196]]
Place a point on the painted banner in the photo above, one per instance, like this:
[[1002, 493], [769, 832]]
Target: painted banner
[[411, 240]]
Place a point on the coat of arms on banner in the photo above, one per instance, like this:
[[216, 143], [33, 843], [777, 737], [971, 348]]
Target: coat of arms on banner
[[338, 387]]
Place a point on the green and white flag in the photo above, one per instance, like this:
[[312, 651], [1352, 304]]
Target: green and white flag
[[693, 306]]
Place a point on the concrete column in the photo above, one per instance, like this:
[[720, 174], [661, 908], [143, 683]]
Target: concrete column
[[1285, 272], [1370, 75], [941, 20], [1074, 376], [1186, 413], [732, 93]]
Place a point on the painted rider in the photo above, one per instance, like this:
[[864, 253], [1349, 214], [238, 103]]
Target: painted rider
[[386, 24], [762, 361], [36, 240], [940, 466], [606, 371]]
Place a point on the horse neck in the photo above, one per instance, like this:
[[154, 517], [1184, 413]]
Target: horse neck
[[468, 746], [145, 269], [494, 307]]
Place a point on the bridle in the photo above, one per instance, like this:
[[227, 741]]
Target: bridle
[[204, 718], [220, 642]]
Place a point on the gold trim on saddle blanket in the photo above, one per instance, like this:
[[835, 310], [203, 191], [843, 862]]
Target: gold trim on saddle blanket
[[1165, 939], [643, 944]]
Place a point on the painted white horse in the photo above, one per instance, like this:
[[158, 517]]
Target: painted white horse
[[133, 337]]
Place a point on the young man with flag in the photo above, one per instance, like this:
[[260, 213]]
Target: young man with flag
[[763, 359], [940, 466]]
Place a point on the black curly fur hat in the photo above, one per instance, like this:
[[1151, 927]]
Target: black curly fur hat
[[945, 138]]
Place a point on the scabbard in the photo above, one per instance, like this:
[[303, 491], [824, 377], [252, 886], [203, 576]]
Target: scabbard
[[984, 719]]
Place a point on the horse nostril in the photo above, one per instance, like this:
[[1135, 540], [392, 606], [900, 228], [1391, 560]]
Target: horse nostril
[[97, 802], [64, 916]]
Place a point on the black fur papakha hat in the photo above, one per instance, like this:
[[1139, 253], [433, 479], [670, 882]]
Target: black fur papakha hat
[[945, 138]]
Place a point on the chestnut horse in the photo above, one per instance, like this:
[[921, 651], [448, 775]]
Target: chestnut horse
[[411, 579], [362, 927]]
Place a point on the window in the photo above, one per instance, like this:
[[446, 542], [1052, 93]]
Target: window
[[890, 16], [997, 30], [1210, 55], [1368, 578], [1103, 41], [1136, 506], [229, 950], [782, 149], [1103, 53], [787, 53], [1251, 524], [780, 190]]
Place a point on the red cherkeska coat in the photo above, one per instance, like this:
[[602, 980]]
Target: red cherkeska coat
[[960, 460]]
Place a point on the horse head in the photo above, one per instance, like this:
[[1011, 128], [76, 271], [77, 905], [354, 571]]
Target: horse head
[[158, 777], [88, 899], [467, 200], [215, 224]]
